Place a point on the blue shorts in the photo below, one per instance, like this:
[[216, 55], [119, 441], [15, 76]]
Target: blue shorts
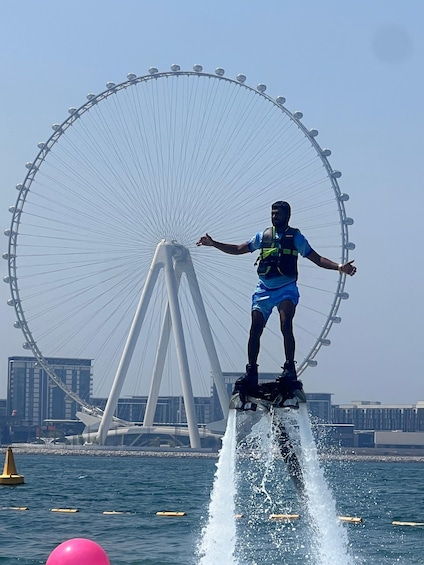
[[264, 299]]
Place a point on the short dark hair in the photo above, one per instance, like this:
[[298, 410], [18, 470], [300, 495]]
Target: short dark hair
[[282, 204]]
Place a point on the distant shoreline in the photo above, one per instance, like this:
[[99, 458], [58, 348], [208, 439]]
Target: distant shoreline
[[90, 451], [111, 451]]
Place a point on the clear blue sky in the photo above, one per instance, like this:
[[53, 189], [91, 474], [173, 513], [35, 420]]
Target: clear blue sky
[[355, 69]]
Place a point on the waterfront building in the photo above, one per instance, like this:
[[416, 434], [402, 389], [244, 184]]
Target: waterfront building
[[368, 415], [33, 398], [399, 440]]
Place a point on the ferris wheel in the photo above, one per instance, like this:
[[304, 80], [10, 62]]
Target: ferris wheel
[[166, 157]]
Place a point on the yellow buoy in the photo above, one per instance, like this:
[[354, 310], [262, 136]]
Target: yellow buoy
[[352, 519], [169, 513], [284, 516], [15, 508], [65, 510], [10, 474], [396, 523]]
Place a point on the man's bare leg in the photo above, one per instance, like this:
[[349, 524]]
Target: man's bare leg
[[287, 311]]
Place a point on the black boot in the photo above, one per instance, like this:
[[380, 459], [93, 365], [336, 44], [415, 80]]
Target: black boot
[[289, 371], [288, 380], [250, 377], [248, 382]]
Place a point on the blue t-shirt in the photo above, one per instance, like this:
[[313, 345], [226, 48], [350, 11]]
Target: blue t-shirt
[[302, 246]]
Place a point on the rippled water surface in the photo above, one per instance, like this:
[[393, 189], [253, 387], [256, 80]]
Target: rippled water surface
[[379, 492]]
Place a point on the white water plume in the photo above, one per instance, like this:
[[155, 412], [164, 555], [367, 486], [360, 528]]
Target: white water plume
[[219, 534], [330, 543], [262, 488]]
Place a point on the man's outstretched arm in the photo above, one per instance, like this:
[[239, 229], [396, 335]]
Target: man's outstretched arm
[[229, 248], [346, 268]]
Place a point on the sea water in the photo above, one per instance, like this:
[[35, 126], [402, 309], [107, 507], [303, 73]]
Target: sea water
[[377, 491]]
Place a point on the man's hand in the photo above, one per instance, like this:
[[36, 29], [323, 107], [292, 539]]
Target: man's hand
[[348, 268], [229, 248], [205, 240]]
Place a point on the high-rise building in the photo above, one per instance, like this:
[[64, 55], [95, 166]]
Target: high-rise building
[[33, 398]]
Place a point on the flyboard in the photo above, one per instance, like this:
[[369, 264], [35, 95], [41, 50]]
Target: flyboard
[[276, 398]]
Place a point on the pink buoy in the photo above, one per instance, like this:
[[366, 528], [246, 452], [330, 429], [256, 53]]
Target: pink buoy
[[78, 551]]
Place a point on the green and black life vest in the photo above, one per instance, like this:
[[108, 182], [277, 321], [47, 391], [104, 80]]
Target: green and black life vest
[[278, 255]]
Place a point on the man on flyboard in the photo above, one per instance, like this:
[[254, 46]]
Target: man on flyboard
[[279, 247]]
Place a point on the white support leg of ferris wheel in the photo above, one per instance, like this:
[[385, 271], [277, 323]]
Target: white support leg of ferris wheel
[[152, 399], [174, 307], [130, 344], [164, 255]]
